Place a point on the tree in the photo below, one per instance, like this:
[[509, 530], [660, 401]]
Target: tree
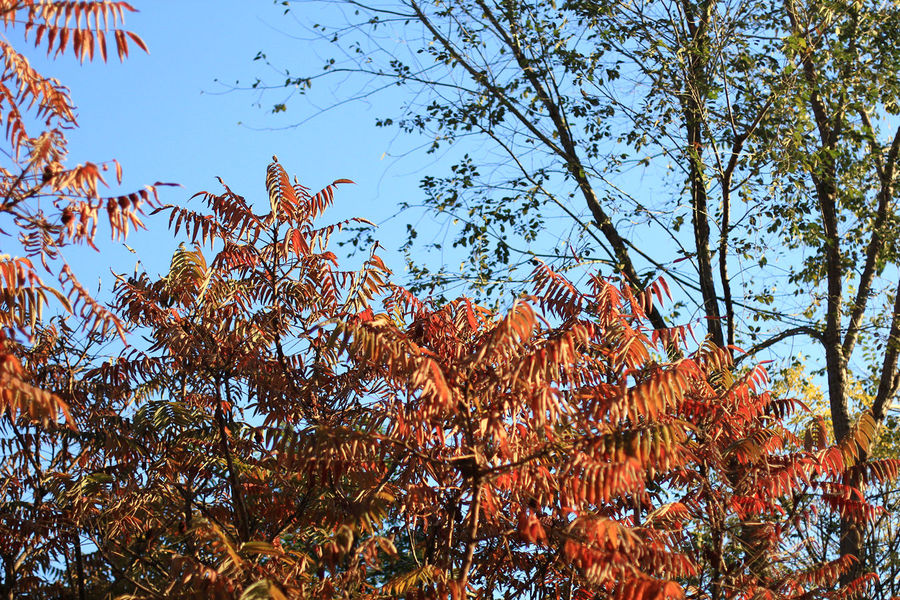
[[50, 204], [776, 119], [600, 449], [237, 396], [47, 205], [282, 438]]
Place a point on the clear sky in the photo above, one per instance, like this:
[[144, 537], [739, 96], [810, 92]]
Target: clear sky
[[174, 116], [170, 116]]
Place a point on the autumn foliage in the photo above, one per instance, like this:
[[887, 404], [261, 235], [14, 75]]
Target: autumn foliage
[[280, 427], [294, 430], [52, 204], [47, 205]]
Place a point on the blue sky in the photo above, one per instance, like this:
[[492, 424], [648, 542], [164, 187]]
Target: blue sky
[[171, 116], [175, 116]]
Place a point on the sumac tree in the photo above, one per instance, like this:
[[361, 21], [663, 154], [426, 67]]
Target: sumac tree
[[763, 133], [281, 437], [47, 204]]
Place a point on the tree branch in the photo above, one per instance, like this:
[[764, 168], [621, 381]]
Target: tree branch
[[794, 331], [876, 242], [890, 378]]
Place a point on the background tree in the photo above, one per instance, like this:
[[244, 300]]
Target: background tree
[[769, 123]]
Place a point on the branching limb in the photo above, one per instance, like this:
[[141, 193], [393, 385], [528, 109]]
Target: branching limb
[[794, 331]]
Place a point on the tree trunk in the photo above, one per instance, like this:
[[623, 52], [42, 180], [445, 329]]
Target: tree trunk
[[694, 92]]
